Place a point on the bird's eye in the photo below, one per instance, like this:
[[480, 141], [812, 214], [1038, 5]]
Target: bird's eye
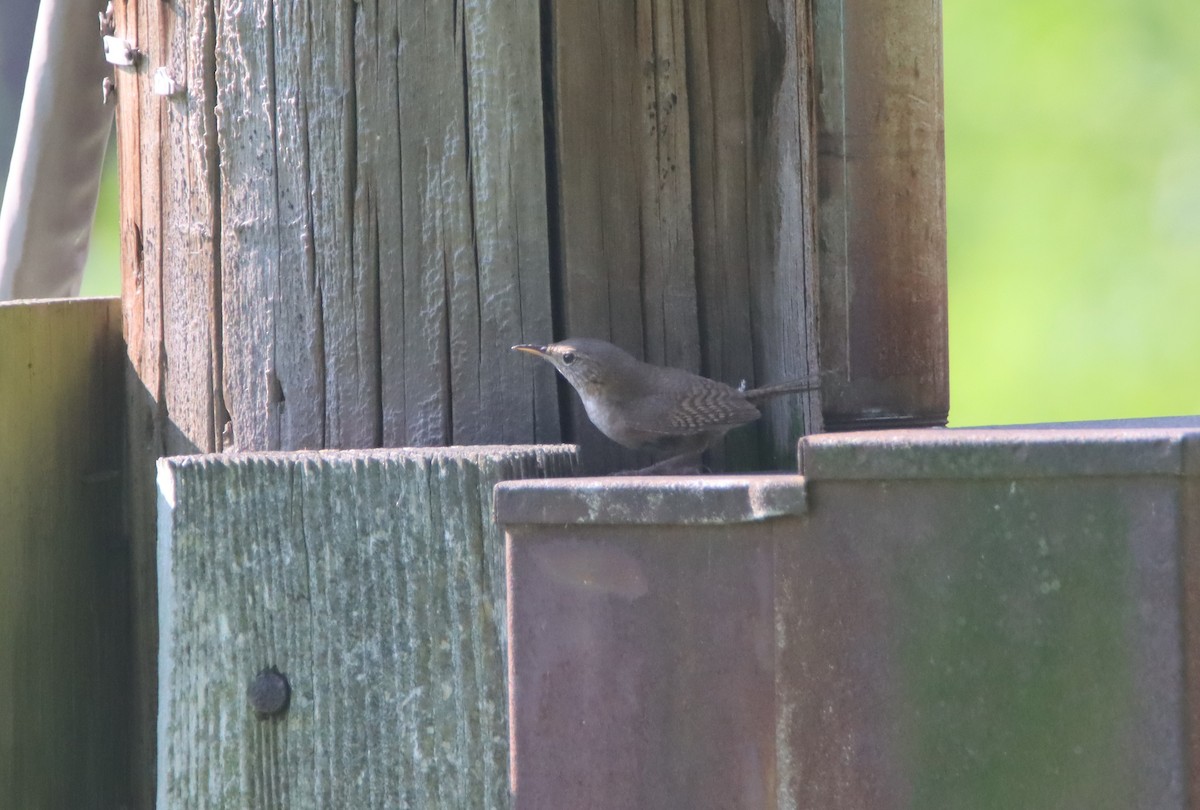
[[568, 358]]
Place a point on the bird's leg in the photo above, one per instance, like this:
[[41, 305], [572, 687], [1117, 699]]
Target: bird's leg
[[683, 464]]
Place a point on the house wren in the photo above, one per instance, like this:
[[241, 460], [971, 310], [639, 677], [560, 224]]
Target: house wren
[[642, 406]]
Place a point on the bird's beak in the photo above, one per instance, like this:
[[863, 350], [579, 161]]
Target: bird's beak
[[530, 348]]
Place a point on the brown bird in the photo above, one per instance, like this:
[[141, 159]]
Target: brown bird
[[641, 406]]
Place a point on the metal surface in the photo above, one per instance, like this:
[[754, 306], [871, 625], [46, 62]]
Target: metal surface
[[642, 667], [683, 500], [987, 619], [1020, 452], [985, 643]]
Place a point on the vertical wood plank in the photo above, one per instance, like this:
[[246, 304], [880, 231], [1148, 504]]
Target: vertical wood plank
[[509, 226], [314, 273], [141, 324], [133, 292], [374, 582], [755, 181], [253, 201], [882, 212], [379, 239], [178, 224], [346, 291], [705, 133], [463, 244], [720, 117], [597, 111], [667, 250], [166, 220], [64, 633], [436, 217], [783, 224], [596, 106]]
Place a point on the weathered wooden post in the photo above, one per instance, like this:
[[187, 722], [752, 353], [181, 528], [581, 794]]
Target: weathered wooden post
[[725, 169], [374, 582], [334, 227], [882, 210], [686, 194], [338, 217]]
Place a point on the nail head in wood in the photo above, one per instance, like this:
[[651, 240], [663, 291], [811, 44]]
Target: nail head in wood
[[269, 693]]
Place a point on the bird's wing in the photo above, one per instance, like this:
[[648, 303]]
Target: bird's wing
[[707, 405]]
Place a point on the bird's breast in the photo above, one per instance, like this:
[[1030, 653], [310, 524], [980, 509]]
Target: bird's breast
[[610, 417]]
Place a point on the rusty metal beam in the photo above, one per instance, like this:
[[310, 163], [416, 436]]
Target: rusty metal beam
[[975, 618]]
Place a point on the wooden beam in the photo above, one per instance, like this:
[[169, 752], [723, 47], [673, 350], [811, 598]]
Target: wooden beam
[[374, 581], [884, 342], [64, 635]]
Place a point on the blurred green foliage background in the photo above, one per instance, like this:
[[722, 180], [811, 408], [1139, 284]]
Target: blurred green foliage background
[[102, 274], [1073, 185]]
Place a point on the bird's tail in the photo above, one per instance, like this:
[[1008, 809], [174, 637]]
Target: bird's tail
[[779, 389]]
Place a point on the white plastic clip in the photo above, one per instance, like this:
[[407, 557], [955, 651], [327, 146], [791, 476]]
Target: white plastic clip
[[107, 27], [107, 88], [161, 83], [120, 52]]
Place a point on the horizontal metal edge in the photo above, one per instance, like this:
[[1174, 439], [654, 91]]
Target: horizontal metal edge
[[650, 500], [1018, 452], [66, 303], [1169, 422]]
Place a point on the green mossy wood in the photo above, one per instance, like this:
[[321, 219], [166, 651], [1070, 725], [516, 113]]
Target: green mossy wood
[[374, 581]]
